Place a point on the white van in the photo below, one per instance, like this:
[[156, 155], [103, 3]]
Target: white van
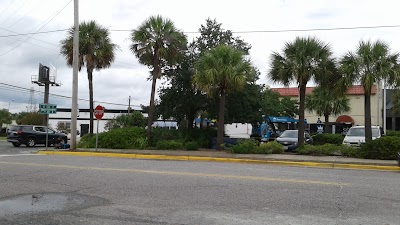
[[356, 135]]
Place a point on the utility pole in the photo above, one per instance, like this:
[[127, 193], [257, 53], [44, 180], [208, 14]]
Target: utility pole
[[75, 64], [129, 105]]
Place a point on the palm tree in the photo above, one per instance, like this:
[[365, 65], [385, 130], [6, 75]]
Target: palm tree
[[157, 43], [301, 60], [369, 64], [219, 71], [96, 51], [325, 102]]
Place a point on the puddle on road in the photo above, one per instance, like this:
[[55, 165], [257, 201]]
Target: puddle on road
[[47, 202]]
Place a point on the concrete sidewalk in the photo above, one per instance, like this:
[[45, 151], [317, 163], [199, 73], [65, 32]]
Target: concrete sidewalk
[[221, 156]]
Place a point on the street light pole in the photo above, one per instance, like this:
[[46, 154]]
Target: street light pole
[[75, 64]]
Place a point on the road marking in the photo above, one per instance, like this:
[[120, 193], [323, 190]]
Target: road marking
[[18, 155], [183, 174]]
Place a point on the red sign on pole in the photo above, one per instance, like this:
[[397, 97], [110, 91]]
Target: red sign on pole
[[99, 112]]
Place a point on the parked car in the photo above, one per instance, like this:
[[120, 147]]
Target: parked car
[[30, 135], [355, 136], [289, 139]]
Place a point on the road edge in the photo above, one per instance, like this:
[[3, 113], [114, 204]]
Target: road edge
[[230, 160]]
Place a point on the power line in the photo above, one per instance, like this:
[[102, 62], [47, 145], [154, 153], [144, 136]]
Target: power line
[[24, 34], [11, 87], [37, 30], [290, 30], [238, 32]]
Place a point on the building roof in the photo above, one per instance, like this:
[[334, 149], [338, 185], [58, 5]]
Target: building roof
[[294, 91]]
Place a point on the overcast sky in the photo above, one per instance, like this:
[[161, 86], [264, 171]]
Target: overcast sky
[[21, 55]]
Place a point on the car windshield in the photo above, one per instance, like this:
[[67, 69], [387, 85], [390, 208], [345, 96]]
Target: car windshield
[[360, 132], [289, 134]]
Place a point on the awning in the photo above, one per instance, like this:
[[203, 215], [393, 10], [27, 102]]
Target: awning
[[345, 119]]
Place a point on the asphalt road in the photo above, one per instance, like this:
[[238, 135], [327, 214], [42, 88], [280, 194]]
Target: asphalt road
[[51, 189], [6, 148]]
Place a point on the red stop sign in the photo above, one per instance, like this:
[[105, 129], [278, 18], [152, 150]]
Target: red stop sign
[[99, 112]]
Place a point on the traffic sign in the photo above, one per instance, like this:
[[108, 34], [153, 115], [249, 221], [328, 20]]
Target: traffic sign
[[99, 112], [45, 108]]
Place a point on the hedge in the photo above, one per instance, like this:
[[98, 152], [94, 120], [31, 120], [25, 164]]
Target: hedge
[[381, 148], [249, 146], [320, 139]]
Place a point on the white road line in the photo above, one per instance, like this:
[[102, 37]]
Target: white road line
[[16, 155]]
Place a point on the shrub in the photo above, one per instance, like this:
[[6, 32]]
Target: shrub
[[353, 152], [320, 139], [119, 138], [245, 147], [249, 146], [169, 144], [271, 147], [393, 133], [201, 136], [381, 148], [191, 145], [318, 150]]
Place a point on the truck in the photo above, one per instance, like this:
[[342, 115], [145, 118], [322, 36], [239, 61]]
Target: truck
[[271, 127]]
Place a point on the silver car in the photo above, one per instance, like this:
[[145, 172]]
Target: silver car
[[289, 139]]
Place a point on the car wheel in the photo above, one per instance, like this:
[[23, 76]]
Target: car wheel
[[16, 144], [30, 142]]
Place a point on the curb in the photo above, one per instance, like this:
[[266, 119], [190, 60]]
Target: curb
[[230, 160]]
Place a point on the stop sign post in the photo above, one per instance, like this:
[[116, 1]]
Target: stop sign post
[[98, 113]]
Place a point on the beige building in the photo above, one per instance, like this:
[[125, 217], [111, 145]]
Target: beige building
[[354, 117]]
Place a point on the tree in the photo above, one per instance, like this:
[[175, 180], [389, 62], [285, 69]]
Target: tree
[[369, 64], [212, 35], [32, 118], [301, 61], [134, 119], [183, 100], [325, 102], [157, 43], [5, 117], [273, 104], [222, 70], [96, 51]]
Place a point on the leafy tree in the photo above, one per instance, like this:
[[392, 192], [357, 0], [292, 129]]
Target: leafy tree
[[325, 102], [212, 35], [61, 127], [273, 104], [5, 117], [96, 51], [183, 100], [32, 118], [157, 43], [302, 60], [134, 119], [222, 70], [370, 63]]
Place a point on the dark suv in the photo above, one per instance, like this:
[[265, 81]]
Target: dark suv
[[30, 135]]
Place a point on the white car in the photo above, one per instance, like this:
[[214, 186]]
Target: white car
[[355, 136]]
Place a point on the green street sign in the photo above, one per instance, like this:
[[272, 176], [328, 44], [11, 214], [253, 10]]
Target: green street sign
[[47, 108]]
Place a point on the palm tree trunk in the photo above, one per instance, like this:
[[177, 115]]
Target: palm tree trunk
[[367, 111], [151, 109], [220, 133], [301, 124], [90, 78], [327, 127], [156, 74]]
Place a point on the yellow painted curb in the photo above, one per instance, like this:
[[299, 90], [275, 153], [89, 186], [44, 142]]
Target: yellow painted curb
[[367, 167], [165, 157], [306, 164], [234, 160]]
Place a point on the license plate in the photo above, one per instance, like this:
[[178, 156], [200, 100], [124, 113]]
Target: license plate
[[285, 147]]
